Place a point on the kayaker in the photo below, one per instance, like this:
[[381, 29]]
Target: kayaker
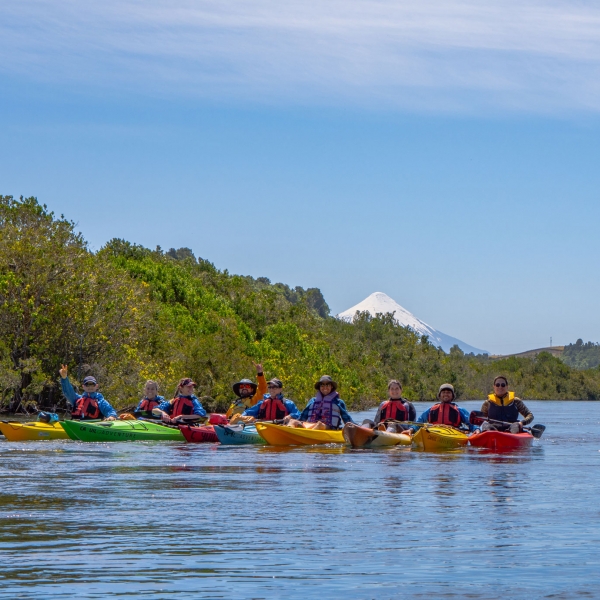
[[502, 405], [150, 400], [446, 411], [326, 410], [273, 406], [185, 403], [248, 393], [395, 408], [91, 404]]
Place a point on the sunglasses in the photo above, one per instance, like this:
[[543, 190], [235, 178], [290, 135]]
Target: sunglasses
[[499, 385], [273, 387]]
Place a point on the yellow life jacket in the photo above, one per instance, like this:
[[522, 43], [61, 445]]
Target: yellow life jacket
[[504, 401]]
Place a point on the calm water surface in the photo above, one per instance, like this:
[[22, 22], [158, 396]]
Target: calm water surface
[[169, 520]]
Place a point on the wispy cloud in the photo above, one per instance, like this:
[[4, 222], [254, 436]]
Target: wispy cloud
[[428, 54]]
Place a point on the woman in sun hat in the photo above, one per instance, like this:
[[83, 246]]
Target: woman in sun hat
[[326, 410]]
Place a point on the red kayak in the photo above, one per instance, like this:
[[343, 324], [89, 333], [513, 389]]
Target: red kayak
[[501, 441], [201, 434]]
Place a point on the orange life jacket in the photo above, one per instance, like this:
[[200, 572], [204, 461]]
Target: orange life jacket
[[445, 413], [395, 410], [181, 405], [86, 408], [272, 409]]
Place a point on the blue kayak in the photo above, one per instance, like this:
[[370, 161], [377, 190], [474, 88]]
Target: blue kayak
[[238, 434]]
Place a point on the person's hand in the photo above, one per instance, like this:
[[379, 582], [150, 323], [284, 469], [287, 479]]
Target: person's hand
[[258, 367], [110, 419], [516, 427], [287, 419], [167, 419], [63, 371]]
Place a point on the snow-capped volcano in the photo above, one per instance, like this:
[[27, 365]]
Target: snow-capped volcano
[[379, 302]]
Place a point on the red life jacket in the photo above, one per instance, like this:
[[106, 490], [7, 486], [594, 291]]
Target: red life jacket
[[148, 405], [395, 410], [86, 408], [182, 405], [272, 409], [445, 413]]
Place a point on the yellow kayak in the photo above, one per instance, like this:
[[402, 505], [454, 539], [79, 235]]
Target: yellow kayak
[[435, 438], [21, 432], [281, 435]]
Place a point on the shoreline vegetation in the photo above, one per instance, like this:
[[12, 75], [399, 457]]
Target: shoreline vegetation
[[127, 313]]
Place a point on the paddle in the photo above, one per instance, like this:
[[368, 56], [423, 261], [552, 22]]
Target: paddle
[[477, 418]]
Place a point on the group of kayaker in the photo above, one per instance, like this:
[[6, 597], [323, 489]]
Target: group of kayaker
[[265, 401]]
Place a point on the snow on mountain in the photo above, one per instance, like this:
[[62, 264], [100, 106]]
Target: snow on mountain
[[379, 302]]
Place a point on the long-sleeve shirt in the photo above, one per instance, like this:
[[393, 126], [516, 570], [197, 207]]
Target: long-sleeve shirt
[[464, 418], [519, 405], [72, 396], [254, 411], [239, 405], [198, 409]]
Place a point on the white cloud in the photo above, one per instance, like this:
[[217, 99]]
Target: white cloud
[[429, 55]]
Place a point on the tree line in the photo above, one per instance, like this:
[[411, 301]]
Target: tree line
[[127, 313]]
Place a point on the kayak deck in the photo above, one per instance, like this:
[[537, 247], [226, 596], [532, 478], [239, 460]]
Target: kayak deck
[[501, 441], [202, 434], [358, 436], [281, 435], [36, 430], [436, 438], [238, 434], [120, 431]]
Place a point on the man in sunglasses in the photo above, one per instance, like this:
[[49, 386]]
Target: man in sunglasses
[[273, 406], [91, 404], [503, 406], [248, 393]]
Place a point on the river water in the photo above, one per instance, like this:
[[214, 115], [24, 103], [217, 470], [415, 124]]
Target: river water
[[169, 520]]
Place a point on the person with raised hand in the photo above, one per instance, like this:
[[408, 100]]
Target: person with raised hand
[[395, 408], [326, 410], [184, 404], [150, 400], [503, 406], [248, 393], [273, 406], [91, 404]]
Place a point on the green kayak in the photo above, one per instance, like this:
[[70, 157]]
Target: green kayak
[[120, 431]]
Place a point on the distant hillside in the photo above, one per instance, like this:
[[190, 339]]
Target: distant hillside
[[582, 356], [554, 350]]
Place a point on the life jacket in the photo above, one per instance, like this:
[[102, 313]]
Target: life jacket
[[86, 408], [148, 405], [272, 409], [396, 410], [181, 405], [445, 413], [327, 411], [503, 409]]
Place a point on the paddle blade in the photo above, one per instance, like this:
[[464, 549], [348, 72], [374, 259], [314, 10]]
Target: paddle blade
[[477, 417], [537, 430]]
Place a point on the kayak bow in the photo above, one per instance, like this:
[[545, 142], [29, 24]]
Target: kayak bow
[[501, 441], [120, 431], [363, 437], [281, 435], [436, 438], [36, 430]]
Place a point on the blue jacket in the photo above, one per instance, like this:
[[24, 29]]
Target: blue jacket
[[292, 409], [346, 418], [166, 406], [464, 419], [72, 396]]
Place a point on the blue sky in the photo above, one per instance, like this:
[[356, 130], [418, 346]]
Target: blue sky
[[442, 152]]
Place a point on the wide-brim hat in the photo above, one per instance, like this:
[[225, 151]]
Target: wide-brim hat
[[446, 386], [236, 386], [326, 379]]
